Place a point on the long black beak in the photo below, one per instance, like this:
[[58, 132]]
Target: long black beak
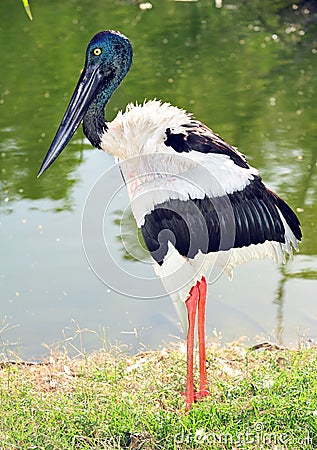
[[77, 108]]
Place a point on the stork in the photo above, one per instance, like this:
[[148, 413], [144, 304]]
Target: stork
[[197, 201]]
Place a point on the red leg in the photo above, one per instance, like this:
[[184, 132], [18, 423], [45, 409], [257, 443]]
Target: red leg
[[203, 391], [191, 305]]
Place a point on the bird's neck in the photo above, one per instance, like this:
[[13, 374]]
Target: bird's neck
[[94, 123]]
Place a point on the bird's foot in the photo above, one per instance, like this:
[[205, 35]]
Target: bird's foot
[[198, 395], [202, 393]]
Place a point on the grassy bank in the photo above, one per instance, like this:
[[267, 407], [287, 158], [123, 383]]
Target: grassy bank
[[261, 398]]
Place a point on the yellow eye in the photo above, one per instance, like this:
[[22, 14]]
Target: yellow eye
[[97, 51]]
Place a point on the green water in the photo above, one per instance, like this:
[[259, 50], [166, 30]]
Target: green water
[[247, 69]]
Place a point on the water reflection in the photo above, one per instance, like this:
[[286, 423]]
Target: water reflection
[[247, 71], [306, 269]]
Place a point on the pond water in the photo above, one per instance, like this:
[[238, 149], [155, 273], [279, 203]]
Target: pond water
[[248, 72]]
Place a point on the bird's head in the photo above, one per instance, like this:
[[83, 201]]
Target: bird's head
[[108, 59]]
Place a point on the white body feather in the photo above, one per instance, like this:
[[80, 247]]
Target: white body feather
[[155, 173]]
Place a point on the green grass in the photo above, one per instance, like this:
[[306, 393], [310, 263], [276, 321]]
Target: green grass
[[260, 399]]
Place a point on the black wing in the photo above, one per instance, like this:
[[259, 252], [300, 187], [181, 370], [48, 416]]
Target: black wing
[[197, 137], [245, 217]]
